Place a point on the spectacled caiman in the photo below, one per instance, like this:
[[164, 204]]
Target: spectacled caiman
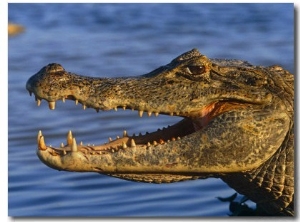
[[238, 125]]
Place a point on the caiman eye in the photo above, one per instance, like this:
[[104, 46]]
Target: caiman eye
[[196, 70]]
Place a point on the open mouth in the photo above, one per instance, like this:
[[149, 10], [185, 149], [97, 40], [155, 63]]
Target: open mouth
[[184, 127], [187, 126]]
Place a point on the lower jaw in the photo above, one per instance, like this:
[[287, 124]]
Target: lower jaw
[[171, 133]]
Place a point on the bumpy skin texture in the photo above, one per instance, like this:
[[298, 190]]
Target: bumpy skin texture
[[237, 125]]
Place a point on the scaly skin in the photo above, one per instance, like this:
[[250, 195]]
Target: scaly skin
[[237, 125]]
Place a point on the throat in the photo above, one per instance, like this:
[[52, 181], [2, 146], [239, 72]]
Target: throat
[[213, 110]]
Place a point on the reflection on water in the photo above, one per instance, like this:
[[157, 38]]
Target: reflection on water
[[120, 40]]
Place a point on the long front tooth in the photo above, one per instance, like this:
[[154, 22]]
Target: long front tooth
[[38, 102], [149, 114], [141, 113], [83, 106], [42, 145], [74, 145], [125, 133], [132, 144], [39, 136], [156, 113], [63, 99], [62, 145], [124, 145], [51, 105], [69, 138], [76, 101]]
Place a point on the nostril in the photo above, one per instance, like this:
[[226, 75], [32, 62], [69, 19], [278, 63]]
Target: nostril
[[54, 68]]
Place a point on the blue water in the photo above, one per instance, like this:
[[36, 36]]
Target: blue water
[[121, 40]]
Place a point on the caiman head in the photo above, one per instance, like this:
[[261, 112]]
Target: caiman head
[[234, 119]]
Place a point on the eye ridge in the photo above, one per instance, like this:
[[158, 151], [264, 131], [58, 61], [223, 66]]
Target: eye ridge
[[196, 69]]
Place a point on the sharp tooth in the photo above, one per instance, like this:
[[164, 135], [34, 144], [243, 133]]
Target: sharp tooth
[[63, 99], [69, 138], [62, 145], [141, 113], [83, 106], [39, 136], [124, 145], [173, 139], [125, 133], [178, 138], [64, 152], [81, 143], [171, 114], [51, 105], [149, 113], [161, 141], [76, 101], [118, 137], [124, 107], [42, 145], [38, 102], [156, 113], [154, 143], [116, 109], [148, 144], [74, 145], [132, 144], [110, 139]]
